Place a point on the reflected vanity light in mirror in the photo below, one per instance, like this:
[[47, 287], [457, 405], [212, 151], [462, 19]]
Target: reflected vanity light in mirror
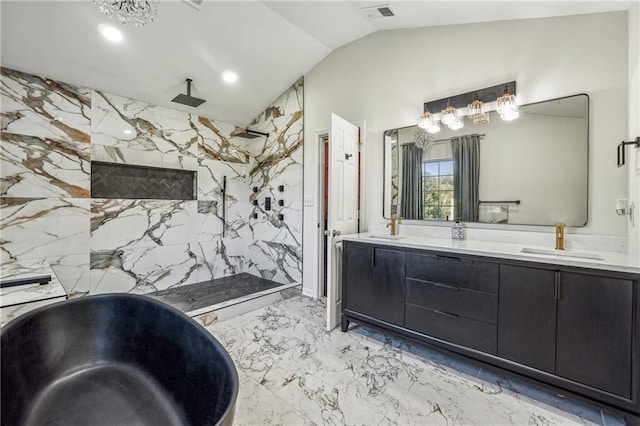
[[541, 160]]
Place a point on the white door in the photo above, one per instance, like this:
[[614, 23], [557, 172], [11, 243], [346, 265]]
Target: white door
[[342, 207]]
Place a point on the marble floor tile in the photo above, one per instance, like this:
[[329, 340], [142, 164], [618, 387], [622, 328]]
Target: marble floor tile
[[258, 406], [295, 372]]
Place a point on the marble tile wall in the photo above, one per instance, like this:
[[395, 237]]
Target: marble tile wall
[[45, 176], [51, 132], [275, 251]]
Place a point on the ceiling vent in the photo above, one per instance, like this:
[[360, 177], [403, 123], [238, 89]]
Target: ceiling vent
[[382, 11], [195, 3]]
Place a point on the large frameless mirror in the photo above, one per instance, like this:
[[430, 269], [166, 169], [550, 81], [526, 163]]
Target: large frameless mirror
[[529, 171]]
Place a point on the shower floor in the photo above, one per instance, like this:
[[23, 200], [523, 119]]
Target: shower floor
[[209, 294]]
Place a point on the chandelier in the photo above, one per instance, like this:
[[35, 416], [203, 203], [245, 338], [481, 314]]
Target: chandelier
[[139, 12], [423, 140]]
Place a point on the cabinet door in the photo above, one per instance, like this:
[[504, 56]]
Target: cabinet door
[[594, 340], [375, 283], [527, 316]]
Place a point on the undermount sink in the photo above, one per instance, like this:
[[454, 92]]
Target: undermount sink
[[562, 253], [385, 237]]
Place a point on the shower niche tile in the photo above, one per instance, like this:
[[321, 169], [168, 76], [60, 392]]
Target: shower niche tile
[[110, 180]]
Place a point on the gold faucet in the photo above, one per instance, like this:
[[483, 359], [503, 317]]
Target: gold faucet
[[559, 236], [393, 224]]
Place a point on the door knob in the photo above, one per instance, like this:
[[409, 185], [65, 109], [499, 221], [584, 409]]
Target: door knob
[[335, 233]]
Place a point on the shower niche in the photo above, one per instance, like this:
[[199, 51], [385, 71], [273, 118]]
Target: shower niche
[[110, 180]]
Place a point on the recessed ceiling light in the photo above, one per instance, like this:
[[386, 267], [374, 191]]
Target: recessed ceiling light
[[111, 33], [229, 76]]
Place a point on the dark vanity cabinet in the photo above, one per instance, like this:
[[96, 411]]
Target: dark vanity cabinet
[[576, 329], [376, 283], [594, 332], [527, 317], [575, 325]]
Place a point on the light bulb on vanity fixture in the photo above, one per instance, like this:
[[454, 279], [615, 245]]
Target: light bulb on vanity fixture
[[449, 117], [476, 113], [506, 106], [429, 123]]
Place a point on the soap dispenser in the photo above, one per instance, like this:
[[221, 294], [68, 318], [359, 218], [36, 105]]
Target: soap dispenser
[[457, 230]]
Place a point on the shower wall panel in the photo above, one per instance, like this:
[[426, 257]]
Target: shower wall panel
[[275, 245], [44, 170], [51, 132]]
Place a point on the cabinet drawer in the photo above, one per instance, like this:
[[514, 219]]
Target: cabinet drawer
[[455, 300], [458, 272], [452, 328]]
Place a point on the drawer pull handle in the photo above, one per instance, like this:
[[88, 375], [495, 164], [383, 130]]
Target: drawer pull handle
[[448, 287], [443, 257], [446, 314]]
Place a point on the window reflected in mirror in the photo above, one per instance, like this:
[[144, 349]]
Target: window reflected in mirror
[[437, 184]]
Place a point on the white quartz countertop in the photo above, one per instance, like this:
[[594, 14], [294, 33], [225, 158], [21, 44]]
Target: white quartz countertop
[[27, 293], [604, 260]]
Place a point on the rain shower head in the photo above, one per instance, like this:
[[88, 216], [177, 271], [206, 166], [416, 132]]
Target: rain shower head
[[187, 99], [251, 134]]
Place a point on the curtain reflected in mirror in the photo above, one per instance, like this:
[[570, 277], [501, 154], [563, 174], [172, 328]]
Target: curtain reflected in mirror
[[411, 200], [466, 177]]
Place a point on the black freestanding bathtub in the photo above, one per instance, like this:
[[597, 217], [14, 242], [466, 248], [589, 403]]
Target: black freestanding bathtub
[[113, 359]]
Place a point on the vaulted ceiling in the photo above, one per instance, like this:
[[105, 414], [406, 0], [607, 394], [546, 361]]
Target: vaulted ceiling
[[269, 44]]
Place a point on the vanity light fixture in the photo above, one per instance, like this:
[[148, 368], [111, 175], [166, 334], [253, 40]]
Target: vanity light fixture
[[429, 123], [139, 12], [506, 106], [475, 105]]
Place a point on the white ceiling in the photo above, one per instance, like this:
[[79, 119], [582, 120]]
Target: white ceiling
[[269, 44]]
